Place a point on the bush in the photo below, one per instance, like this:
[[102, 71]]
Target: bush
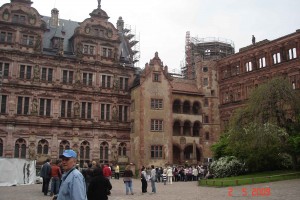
[[226, 166]]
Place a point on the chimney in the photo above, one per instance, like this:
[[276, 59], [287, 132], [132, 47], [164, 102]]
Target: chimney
[[54, 17]]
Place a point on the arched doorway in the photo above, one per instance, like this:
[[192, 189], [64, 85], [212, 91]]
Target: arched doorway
[[188, 153], [176, 155]]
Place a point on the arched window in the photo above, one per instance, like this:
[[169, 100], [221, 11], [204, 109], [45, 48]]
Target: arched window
[[63, 146], [1, 147], [20, 148], [196, 108], [122, 149], [176, 128], [186, 107], [187, 128], [43, 147], [104, 152], [176, 106], [84, 152], [196, 129]]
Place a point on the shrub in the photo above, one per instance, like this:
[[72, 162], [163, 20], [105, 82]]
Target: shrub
[[226, 166]]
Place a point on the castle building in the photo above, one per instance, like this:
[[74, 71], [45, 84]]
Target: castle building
[[253, 65], [64, 85], [67, 84]]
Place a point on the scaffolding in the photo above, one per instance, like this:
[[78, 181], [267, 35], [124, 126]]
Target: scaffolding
[[134, 43], [204, 49]]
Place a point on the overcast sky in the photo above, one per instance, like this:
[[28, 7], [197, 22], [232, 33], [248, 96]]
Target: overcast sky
[[162, 24]]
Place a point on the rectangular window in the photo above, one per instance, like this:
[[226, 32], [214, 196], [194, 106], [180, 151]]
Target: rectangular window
[[86, 110], [205, 81], [292, 53], [123, 83], [106, 81], [45, 107], [67, 76], [156, 77], [206, 102], [156, 103], [4, 69], [105, 112], [19, 19], [106, 52], [5, 37], [156, 152], [47, 74], [206, 135], [262, 62], [28, 40], [248, 66], [123, 113], [206, 119], [23, 106], [237, 69], [66, 108], [88, 49], [3, 102], [25, 72], [87, 78], [156, 125], [276, 58]]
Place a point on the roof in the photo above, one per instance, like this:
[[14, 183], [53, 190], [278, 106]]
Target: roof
[[185, 86]]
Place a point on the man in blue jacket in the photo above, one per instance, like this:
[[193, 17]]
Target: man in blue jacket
[[73, 185]]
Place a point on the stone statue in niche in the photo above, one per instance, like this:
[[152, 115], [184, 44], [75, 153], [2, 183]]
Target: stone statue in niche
[[114, 153], [114, 113], [77, 76], [36, 72], [34, 108], [38, 43], [79, 50], [31, 151], [76, 109], [116, 84]]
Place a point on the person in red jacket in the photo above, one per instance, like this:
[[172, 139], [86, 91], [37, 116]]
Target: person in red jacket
[[55, 178], [106, 172]]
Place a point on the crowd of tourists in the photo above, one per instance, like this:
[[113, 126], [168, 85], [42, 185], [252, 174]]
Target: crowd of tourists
[[67, 181]]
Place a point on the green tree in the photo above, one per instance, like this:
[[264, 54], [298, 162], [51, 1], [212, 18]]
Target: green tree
[[265, 127]]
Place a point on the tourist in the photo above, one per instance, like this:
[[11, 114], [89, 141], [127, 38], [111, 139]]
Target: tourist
[[144, 180], [128, 179], [99, 186], [164, 176], [170, 175], [55, 178], [107, 172], [46, 175], [88, 174], [72, 185], [153, 179], [117, 171]]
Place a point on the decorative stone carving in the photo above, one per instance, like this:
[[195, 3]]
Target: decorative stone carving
[[34, 108], [76, 109], [38, 44], [31, 151], [116, 84], [114, 113], [36, 73]]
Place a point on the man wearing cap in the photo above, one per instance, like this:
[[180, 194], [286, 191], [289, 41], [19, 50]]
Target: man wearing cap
[[72, 185]]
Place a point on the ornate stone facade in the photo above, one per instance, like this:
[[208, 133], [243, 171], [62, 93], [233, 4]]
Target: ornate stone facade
[[57, 85]]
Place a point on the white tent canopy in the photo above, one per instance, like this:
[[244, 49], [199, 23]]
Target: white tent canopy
[[16, 171]]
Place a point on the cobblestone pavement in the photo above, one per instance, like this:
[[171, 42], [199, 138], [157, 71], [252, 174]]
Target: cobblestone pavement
[[287, 190]]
